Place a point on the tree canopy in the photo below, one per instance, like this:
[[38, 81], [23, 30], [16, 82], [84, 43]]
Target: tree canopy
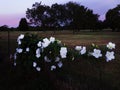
[[113, 18], [23, 25], [70, 15]]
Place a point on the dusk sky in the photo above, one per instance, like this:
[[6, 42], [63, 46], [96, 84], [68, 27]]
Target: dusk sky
[[11, 11]]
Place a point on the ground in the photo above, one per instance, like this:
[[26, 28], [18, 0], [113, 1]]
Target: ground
[[75, 75]]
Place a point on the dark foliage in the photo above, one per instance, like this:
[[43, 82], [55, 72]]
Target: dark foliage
[[62, 16], [113, 18], [23, 25]]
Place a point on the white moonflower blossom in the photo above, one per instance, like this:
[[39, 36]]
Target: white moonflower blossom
[[63, 52], [38, 69], [57, 59], [21, 36], [27, 49], [52, 39], [47, 59], [19, 39], [19, 42], [53, 67], [15, 56], [97, 53], [109, 56], [46, 42], [111, 45], [14, 64], [39, 44], [78, 48], [34, 64], [83, 50], [19, 50], [38, 53], [60, 64]]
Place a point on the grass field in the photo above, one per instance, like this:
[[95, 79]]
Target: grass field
[[76, 75]]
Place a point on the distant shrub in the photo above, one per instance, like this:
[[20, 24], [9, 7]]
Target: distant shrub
[[38, 53]]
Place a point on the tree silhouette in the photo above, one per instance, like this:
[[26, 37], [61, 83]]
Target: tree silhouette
[[113, 18], [38, 15], [4, 28], [81, 17], [70, 15], [23, 25]]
